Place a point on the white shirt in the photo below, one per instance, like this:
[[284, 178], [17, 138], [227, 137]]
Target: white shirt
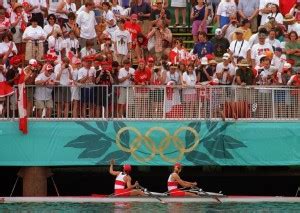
[[5, 46], [278, 18], [86, 22], [274, 43], [122, 38], [278, 62], [239, 48], [65, 75], [123, 73], [53, 7], [108, 16], [220, 68], [68, 7], [39, 3], [71, 43], [226, 9], [263, 4], [34, 33], [43, 93], [258, 50], [84, 52], [83, 72], [190, 80], [14, 17], [229, 31], [117, 10], [48, 28]]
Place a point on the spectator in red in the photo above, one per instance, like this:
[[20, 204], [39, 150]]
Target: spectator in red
[[143, 10], [134, 28], [142, 46], [286, 6], [5, 89], [142, 76]]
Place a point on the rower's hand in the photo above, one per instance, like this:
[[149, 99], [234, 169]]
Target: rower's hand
[[194, 184], [112, 162], [136, 184]]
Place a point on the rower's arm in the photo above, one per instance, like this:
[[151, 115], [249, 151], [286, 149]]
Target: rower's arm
[[182, 182], [128, 182], [111, 169]]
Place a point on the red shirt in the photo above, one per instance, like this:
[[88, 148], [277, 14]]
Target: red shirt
[[134, 29], [286, 6], [142, 76]]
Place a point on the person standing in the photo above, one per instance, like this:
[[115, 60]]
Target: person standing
[[37, 8], [249, 10], [225, 10], [122, 42], [86, 22], [199, 16], [143, 11], [265, 8]]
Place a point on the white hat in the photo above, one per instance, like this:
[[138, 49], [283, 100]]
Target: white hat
[[204, 61], [218, 31], [287, 66], [33, 62], [226, 56]]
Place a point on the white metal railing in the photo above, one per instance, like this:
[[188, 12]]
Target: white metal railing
[[158, 102]]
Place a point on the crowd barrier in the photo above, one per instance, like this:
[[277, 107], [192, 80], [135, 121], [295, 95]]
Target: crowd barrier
[[156, 102]]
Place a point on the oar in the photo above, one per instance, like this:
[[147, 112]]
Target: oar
[[215, 197], [150, 194]]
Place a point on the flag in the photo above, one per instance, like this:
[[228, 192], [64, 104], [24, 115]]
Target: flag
[[22, 104]]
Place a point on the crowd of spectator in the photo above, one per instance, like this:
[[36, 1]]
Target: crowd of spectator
[[68, 50]]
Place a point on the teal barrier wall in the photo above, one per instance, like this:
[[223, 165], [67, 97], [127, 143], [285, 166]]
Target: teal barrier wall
[[150, 143]]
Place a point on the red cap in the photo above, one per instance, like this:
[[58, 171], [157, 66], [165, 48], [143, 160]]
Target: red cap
[[210, 56], [177, 165], [127, 168], [134, 16], [88, 59], [17, 59], [150, 59]]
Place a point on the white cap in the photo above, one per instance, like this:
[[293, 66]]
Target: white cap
[[226, 56], [204, 61], [287, 66], [33, 62], [218, 31]]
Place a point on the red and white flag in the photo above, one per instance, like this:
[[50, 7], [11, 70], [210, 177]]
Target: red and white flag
[[22, 104]]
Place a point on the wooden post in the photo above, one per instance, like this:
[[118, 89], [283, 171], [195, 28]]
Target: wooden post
[[34, 181]]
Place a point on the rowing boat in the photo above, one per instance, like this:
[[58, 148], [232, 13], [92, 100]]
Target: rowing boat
[[167, 199]]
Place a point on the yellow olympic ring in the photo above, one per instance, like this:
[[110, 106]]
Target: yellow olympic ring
[[146, 140]]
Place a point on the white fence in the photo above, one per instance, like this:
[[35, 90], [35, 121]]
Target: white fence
[[157, 102]]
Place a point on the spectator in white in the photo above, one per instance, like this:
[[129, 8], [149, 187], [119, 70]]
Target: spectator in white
[[189, 79], [249, 10], [109, 18], [19, 20], [225, 10], [56, 44], [274, 13], [239, 47], [63, 9], [34, 36], [7, 46], [267, 72], [293, 25], [265, 9], [43, 92], [86, 77], [117, 10], [122, 42], [86, 22], [279, 59], [125, 78], [107, 47], [62, 94], [52, 7], [225, 71], [38, 7], [272, 40], [72, 45], [75, 89], [260, 48], [52, 29], [230, 28], [88, 49]]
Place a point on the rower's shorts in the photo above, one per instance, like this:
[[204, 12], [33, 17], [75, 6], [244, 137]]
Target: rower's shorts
[[122, 192], [177, 193]]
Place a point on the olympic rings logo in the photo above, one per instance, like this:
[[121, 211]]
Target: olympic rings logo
[[149, 148]]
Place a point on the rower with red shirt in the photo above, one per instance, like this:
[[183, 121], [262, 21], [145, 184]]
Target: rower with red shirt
[[123, 186], [174, 180]]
